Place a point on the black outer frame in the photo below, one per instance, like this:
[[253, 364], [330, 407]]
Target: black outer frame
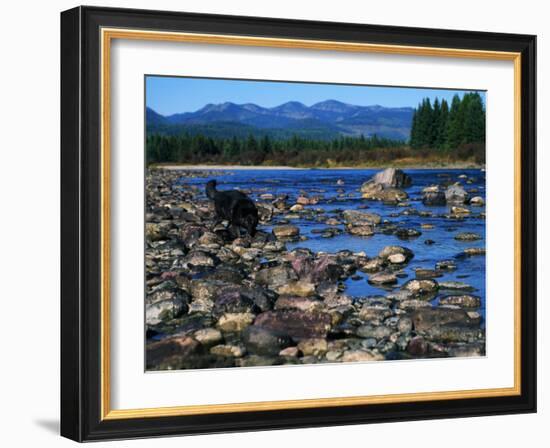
[[80, 223]]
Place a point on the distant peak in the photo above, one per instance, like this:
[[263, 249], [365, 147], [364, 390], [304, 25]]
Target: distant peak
[[291, 104]]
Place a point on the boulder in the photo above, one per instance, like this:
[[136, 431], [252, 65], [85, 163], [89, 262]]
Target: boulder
[[360, 218], [262, 341], [433, 195], [296, 324], [477, 200], [456, 286], [313, 347], [472, 251], [462, 301], [377, 192], [389, 251], [208, 336], [361, 230], [425, 288], [275, 276], [397, 258], [417, 346], [286, 231], [233, 300], [376, 332], [468, 236], [392, 177], [234, 322], [235, 351], [299, 288], [165, 310], [156, 231], [425, 319], [170, 350], [383, 278], [456, 194], [298, 303]]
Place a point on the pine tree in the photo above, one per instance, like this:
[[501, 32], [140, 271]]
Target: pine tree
[[474, 120], [454, 128], [442, 125]]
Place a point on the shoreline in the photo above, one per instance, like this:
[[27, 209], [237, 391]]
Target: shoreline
[[465, 166]]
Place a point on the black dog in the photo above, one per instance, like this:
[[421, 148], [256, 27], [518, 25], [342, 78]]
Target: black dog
[[234, 206]]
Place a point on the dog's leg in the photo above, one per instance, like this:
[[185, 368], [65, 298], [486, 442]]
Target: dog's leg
[[234, 231]]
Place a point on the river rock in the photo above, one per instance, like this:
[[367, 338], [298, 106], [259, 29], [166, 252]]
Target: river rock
[[233, 300], [375, 264], [405, 325], [313, 347], [375, 311], [290, 352], [392, 177], [208, 336], [433, 195], [445, 265], [275, 276], [377, 192], [168, 351], [477, 200], [468, 236], [405, 234], [413, 304], [299, 288], [296, 324], [374, 331], [165, 310], [361, 230], [463, 301], [472, 251], [360, 218], [418, 346], [235, 322], [361, 356], [298, 303], [389, 251], [397, 258], [286, 231], [156, 231], [383, 278], [422, 273], [421, 288], [262, 341], [456, 286], [456, 194], [459, 211], [425, 319], [235, 351]]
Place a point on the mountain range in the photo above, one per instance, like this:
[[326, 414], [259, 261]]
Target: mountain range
[[324, 120]]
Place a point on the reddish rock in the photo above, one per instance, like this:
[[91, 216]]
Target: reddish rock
[[295, 323], [169, 349]]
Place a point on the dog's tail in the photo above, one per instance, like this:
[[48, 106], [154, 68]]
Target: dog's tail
[[211, 189]]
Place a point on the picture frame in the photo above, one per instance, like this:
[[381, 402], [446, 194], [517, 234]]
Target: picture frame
[[86, 37]]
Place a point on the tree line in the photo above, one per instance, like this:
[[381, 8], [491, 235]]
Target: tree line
[[296, 150], [439, 126]]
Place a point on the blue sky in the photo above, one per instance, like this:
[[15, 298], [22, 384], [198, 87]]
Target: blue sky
[[170, 95]]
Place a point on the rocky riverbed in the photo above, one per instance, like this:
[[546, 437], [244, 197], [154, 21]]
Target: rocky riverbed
[[216, 301]]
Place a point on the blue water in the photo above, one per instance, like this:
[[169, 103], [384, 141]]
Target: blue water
[[313, 182]]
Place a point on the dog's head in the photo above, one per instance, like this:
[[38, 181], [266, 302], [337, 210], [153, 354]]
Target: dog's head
[[211, 188]]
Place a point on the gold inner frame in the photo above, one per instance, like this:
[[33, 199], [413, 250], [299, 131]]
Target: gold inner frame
[[107, 35]]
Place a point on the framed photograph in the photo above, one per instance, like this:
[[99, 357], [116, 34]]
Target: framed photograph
[[276, 224]]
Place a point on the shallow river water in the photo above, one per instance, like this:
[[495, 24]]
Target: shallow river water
[[340, 190]]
